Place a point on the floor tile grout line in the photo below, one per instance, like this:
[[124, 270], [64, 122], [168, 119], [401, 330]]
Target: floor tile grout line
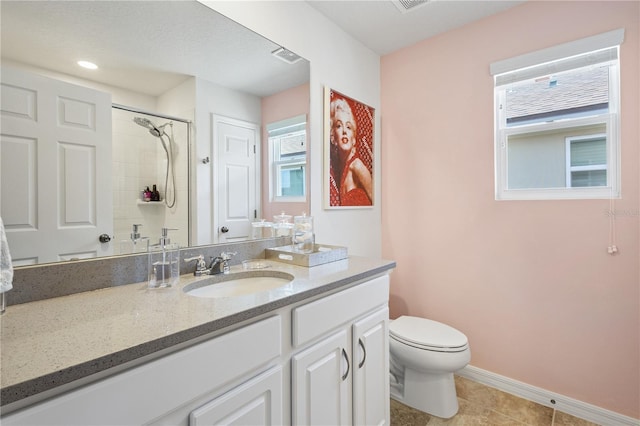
[[520, 399], [522, 405], [507, 416]]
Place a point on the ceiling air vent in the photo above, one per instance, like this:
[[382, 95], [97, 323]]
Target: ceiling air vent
[[286, 55], [408, 5]]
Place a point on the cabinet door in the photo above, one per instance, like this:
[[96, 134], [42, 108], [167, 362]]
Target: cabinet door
[[371, 369], [321, 383], [256, 402]]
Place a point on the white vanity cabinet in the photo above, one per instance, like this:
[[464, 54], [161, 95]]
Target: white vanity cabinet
[[341, 375], [333, 371]]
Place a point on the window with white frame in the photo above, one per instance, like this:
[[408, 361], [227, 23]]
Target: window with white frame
[[556, 121], [288, 159]]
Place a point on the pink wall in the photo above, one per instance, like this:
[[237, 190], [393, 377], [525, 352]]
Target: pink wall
[[280, 106], [529, 282]]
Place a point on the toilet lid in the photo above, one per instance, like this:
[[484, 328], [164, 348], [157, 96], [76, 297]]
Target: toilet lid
[[429, 334]]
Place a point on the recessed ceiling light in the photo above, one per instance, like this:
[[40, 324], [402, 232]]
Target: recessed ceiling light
[[88, 65]]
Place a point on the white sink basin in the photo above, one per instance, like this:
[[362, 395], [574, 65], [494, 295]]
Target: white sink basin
[[240, 284]]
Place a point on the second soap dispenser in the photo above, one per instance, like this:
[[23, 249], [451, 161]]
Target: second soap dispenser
[[136, 243], [164, 262]]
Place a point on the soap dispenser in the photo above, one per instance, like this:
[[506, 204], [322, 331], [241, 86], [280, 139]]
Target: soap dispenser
[[164, 262], [136, 243]]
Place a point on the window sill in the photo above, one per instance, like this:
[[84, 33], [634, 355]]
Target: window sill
[[289, 200], [558, 194]]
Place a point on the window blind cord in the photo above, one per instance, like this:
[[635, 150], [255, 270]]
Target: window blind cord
[[612, 249]]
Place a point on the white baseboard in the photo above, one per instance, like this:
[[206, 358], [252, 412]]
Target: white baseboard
[[544, 397]]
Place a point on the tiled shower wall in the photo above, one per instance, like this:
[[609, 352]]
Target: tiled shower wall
[[140, 161]]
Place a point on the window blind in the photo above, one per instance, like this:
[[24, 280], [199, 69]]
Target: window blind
[[290, 125], [588, 51], [588, 152]]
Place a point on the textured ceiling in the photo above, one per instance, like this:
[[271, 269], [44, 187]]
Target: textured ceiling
[[152, 46], [381, 26], [146, 46]]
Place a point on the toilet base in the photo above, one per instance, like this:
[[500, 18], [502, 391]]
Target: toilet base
[[432, 393]]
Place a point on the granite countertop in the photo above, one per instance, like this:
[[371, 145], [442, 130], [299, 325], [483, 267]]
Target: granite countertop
[[54, 342]]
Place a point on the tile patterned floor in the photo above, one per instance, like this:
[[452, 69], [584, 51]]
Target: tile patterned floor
[[483, 405]]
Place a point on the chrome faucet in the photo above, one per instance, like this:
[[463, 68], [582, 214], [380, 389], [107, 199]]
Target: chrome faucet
[[201, 267], [225, 257], [218, 264], [215, 265]]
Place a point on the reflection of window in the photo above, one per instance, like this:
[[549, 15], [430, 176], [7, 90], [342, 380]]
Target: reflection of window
[[587, 161], [288, 159], [556, 125]]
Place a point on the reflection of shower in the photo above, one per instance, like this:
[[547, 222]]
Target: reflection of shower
[[158, 131]]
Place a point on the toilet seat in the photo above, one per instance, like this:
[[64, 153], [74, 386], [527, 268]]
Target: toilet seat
[[427, 334]]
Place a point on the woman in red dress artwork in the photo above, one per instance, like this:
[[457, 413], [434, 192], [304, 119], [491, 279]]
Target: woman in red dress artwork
[[355, 182]]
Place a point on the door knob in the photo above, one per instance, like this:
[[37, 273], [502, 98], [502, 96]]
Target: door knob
[[224, 229], [104, 238]]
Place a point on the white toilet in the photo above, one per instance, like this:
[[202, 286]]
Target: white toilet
[[424, 356]]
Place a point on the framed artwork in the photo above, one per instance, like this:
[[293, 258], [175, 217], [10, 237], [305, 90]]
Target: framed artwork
[[348, 152]]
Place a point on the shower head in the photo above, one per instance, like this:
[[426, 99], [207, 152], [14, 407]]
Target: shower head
[[145, 122]]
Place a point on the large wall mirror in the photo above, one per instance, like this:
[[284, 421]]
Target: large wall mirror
[[171, 69]]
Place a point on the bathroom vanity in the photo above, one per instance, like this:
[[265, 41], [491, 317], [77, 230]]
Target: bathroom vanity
[[302, 353]]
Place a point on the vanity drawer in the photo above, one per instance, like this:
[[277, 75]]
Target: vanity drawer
[[317, 318], [258, 401]]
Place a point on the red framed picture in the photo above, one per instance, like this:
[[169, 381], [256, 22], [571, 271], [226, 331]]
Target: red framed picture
[[348, 145]]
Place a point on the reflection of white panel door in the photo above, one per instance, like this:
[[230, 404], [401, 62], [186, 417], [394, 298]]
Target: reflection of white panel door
[[55, 181], [235, 189]]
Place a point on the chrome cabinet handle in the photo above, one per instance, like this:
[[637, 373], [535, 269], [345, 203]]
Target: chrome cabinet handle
[[224, 229], [364, 353], [346, 358]]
